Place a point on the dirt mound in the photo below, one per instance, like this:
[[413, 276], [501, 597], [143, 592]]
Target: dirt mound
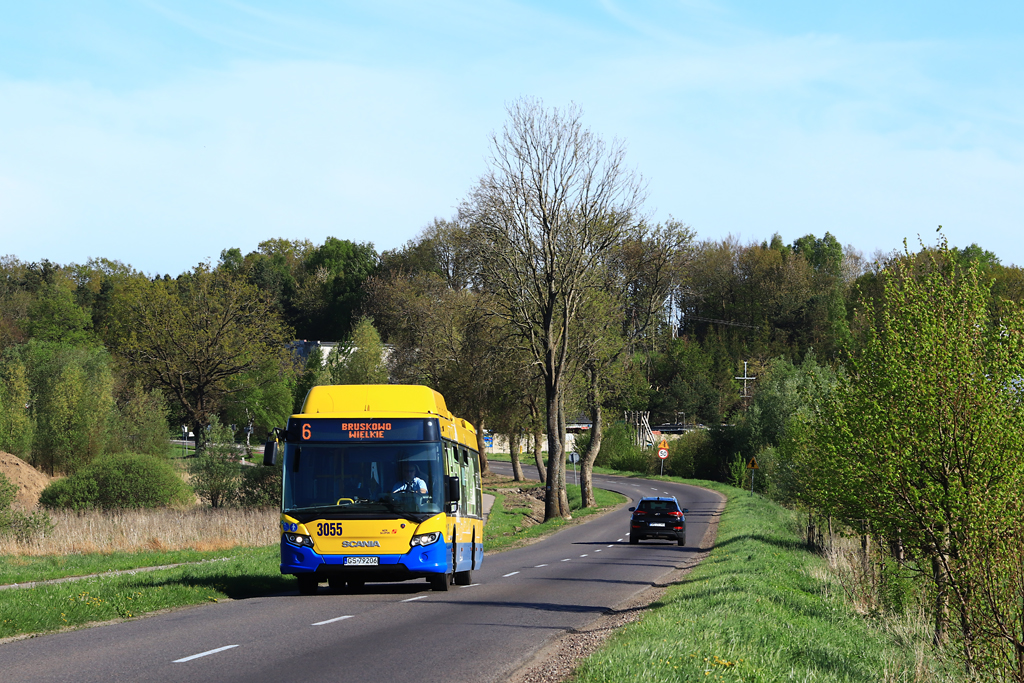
[[29, 480]]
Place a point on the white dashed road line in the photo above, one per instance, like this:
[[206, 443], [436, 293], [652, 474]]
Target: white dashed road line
[[538, 566], [471, 585], [583, 555], [505, 576], [331, 621], [418, 597], [203, 654], [568, 559]]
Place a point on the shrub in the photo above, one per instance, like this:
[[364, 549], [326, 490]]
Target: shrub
[[126, 480], [617, 446], [260, 487], [637, 460], [215, 471], [18, 524], [686, 451], [8, 492]]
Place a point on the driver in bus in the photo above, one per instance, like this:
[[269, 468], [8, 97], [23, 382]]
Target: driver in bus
[[410, 482]]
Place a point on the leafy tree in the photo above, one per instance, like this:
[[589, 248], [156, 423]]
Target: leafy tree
[[138, 422], [331, 289], [554, 202], [443, 338], [922, 438], [16, 424], [263, 398], [194, 338], [309, 378], [71, 392], [362, 362], [619, 315], [56, 317]]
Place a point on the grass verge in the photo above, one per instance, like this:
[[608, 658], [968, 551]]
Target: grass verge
[[28, 568], [250, 572], [507, 526], [761, 607]]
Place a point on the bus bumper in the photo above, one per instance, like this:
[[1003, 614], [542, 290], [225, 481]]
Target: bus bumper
[[418, 562]]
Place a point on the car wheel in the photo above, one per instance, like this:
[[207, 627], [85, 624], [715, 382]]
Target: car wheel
[[633, 540], [682, 540]]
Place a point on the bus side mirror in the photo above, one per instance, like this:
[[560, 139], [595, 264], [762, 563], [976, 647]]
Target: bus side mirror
[[453, 489], [270, 453]]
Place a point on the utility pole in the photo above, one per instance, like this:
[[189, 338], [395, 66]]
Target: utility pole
[[745, 378]]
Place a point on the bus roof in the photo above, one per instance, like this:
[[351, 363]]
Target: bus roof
[[381, 400]]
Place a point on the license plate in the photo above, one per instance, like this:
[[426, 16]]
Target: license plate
[[361, 560], [657, 524]]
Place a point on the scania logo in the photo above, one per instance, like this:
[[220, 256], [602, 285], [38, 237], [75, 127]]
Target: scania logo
[[360, 544]]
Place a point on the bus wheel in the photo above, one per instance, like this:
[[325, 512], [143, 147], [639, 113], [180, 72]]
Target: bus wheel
[[440, 582], [356, 584], [463, 578], [336, 583], [307, 584]]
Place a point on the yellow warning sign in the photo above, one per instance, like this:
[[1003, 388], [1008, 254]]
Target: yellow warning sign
[[663, 444], [752, 465]]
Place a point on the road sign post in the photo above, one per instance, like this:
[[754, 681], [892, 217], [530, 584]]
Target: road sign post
[[752, 466], [663, 454]]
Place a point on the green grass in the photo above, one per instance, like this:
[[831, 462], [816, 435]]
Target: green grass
[[505, 528], [25, 569], [760, 608], [251, 572]]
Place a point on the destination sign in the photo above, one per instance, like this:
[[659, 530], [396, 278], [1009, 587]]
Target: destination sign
[[347, 429]]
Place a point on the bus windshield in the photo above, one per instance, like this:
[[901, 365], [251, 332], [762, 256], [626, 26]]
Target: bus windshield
[[364, 478]]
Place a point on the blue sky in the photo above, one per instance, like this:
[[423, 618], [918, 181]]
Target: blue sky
[[159, 133]]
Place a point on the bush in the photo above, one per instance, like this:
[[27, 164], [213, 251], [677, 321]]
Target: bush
[[617, 446], [685, 452], [126, 480], [18, 524], [8, 492], [215, 471], [260, 487]]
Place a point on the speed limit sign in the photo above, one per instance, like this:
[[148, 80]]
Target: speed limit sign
[[662, 453]]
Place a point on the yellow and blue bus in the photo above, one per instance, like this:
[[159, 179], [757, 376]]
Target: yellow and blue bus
[[380, 483]]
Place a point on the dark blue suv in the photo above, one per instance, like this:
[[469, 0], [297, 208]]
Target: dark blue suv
[[658, 518]]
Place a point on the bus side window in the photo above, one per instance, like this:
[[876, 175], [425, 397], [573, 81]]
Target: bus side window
[[472, 472]]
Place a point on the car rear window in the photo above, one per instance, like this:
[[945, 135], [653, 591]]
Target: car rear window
[[657, 505]]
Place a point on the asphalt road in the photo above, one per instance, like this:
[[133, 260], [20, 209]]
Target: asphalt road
[[520, 601]]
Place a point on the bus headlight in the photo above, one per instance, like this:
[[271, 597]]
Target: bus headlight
[[425, 539], [299, 539]]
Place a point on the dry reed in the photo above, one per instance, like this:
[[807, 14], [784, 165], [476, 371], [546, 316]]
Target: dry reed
[[161, 529]]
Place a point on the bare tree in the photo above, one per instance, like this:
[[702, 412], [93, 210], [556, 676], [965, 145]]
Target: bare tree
[[555, 200]]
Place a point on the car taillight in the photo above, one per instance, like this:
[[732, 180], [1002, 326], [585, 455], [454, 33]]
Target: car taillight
[[639, 513], [677, 513]]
